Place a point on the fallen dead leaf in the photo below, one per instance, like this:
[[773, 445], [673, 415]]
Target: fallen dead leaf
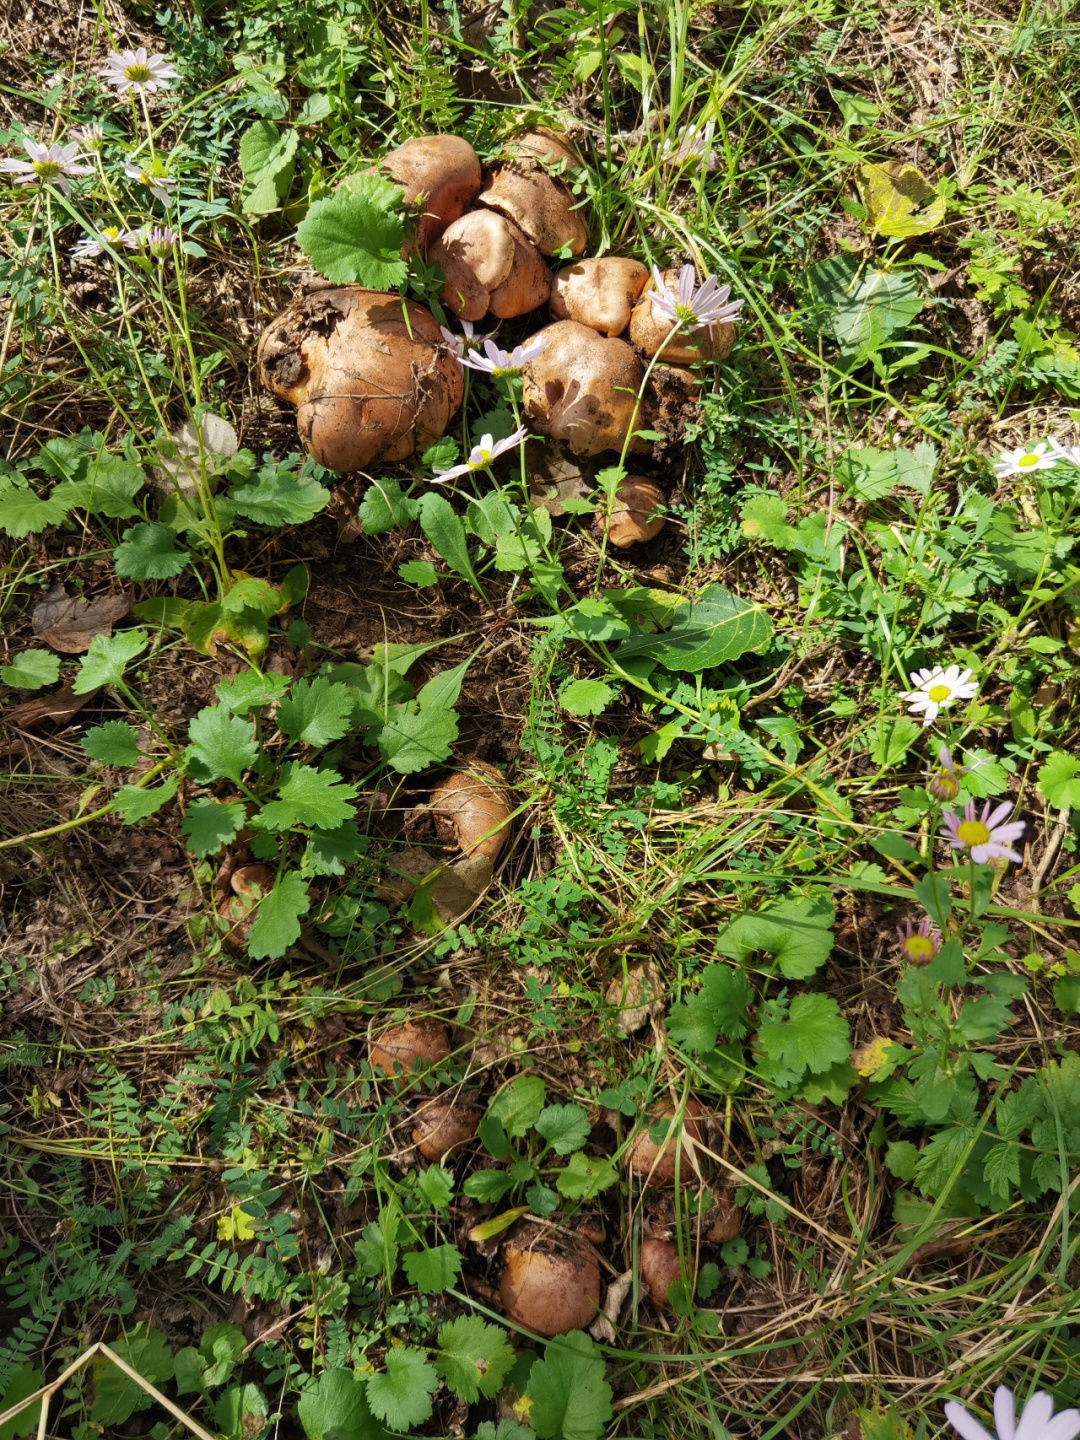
[[60, 706], [69, 623]]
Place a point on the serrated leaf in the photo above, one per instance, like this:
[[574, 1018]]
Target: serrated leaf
[[149, 552], [335, 1407], [31, 669], [278, 496], [315, 711], [210, 825], [571, 1399], [1059, 781], [134, 803], [355, 235], [250, 690], [412, 739], [329, 852], [433, 1270], [22, 513], [518, 1105], [586, 697], [796, 932], [900, 202], [308, 796], [719, 1007], [384, 507], [418, 572], [474, 1358], [402, 1396], [585, 1177], [108, 657], [564, 1127], [116, 1396], [814, 1037], [113, 743], [277, 920], [23, 1381], [222, 744]]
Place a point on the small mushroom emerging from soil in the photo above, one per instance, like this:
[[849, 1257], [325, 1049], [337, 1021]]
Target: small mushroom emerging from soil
[[633, 518], [404, 1048], [550, 1283], [655, 1164], [599, 293], [659, 1268], [471, 810], [650, 327], [582, 389], [442, 173], [540, 203], [489, 265], [723, 1220], [445, 1123], [368, 384]]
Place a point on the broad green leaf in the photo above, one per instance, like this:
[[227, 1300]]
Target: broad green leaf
[[419, 572], [149, 552], [714, 629], [335, 1407], [474, 1358], [571, 1398], [308, 796], [315, 711], [22, 513], [814, 1037], [221, 1347], [402, 1396], [586, 697], [108, 487], [113, 743], [719, 1007], [210, 825], [31, 669], [250, 690], [223, 745], [134, 803], [899, 200], [870, 474], [330, 852], [268, 160], [796, 932], [116, 1397], [277, 921], [864, 309], [564, 1127], [355, 235], [444, 528], [412, 739], [240, 1412], [22, 1383], [518, 1105], [888, 741], [434, 1270], [384, 507], [441, 691], [586, 1176], [278, 496], [108, 657], [1059, 781]]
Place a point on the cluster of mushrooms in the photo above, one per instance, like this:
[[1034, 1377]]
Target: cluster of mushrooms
[[548, 1275], [376, 380]]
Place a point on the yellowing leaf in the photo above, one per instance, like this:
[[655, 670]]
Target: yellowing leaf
[[868, 1059], [236, 1225], [900, 202]]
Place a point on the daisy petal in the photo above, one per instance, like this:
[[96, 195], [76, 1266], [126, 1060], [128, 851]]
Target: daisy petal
[[964, 1424], [1004, 1413]]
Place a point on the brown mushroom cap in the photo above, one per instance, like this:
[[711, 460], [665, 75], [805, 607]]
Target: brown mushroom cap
[[445, 1123], [541, 204], [650, 327], [489, 265], [659, 1268], [367, 385], [723, 1220], [237, 892], [550, 1283], [599, 293], [655, 1164], [582, 389], [403, 1048], [440, 170], [632, 519], [471, 810]]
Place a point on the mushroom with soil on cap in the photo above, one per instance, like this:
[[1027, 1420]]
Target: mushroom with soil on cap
[[634, 517], [440, 177], [583, 388], [550, 1282], [655, 1162], [687, 322], [410, 1046], [600, 293], [445, 1123], [471, 810], [489, 266], [539, 202]]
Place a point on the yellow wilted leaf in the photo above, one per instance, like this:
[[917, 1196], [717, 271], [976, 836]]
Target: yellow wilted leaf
[[900, 202], [235, 1226], [868, 1059]]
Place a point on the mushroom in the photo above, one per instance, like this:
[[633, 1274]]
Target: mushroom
[[368, 372], [550, 1282], [659, 1268], [523, 190], [632, 518], [599, 293], [489, 265], [723, 1219], [655, 1164], [650, 327], [237, 892], [404, 1048], [582, 388], [439, 172], [555, 476], [445, 1123], [471, 810]]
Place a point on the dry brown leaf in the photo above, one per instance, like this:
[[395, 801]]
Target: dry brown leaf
[[69, 623], [61, 705]]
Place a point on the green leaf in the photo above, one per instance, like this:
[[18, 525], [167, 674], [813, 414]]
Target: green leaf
[[22, 1383], [384, 507], [888, 741], [901, 1158], [316, 711], [335, 1407], [241, 1412], [278, 496], [277, 921], [411, 739], [871, 474], [221, 1346], [814, 1037], [113, 743], [134, 803], [935, 897], [222, 744], [249, 690], [267, 159], [586, 697], [714, 629], [31, 669], [564, 1127], [355, 235], [719, 1007], [487, 1186], [402, 1396], [1059, 781], [518, 1105], [444, 528], [571, 1399], [418, 572], [209, 826], [329, 852], [149, 552], [797, 933], [108, 657], [434, 1270], [307, 796], [585, 1177], [22, 513], [474, 1358], [864, 309], [117, 1398], [441, 691], [899, 200]]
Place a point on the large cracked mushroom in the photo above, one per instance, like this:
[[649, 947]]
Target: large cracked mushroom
[[537, 201], [369, 375], [582, 389]]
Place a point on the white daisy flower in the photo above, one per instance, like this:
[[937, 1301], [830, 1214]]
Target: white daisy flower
[[138, 70], [159, 240], [1069, 453], [455, 344], [1024, 459], [482, 455], [91, 246], [936, 689], [502, 363], [91, 138], [693, 306], [46, 165], [1035, 1421], [156, 181]]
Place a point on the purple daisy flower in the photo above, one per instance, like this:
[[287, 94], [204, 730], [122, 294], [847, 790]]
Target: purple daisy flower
[[987, 836], [694, 306], [918, 943], [1037, 1419]]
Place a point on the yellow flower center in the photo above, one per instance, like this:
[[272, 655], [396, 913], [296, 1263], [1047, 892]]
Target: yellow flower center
[[919, 948], [1027, 462], [47, 170], [972, 832], [139, 74], [938, 693]]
